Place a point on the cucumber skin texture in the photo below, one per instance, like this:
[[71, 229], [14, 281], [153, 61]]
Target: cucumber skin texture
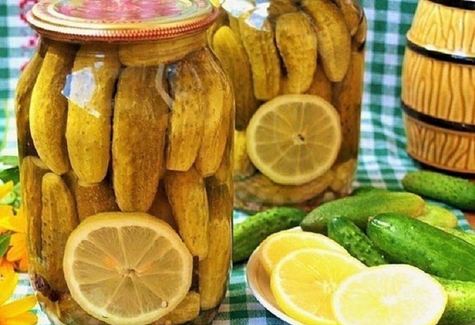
[[455, 191], [363, 190], [433, 214], [468, 237], [407, 240], [460, 308], [354, 240], [359, 208], [438, 216], [248, 234]]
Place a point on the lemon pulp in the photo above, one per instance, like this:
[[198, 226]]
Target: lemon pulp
[[293, 139]]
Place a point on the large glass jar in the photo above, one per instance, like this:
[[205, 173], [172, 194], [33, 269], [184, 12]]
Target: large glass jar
[[297, 71], [125, 131]]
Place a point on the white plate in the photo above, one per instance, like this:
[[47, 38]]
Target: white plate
[[259, 283]]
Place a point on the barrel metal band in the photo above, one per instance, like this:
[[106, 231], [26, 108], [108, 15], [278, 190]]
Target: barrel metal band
[[438, 122], [462, 4], [440, 56]]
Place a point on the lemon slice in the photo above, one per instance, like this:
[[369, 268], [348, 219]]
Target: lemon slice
[[281, 243], [127, 268], [293, 139], [390, 295], [303, 283]]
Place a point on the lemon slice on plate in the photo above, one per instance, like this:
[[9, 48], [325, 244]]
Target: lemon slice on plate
[[127, 268], [293, 139], [281, 243], [390, 295], [303, 283]]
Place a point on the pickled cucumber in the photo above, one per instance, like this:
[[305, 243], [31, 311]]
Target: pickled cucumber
[[297, 43], [235, 62], [334, 42], [218, 113], [145, 54], [214, 269], [32, 172], [93, 198], [186, 125], [257, 36], [23, 92], [161, 207], [187, 310], [259, 188], [138, 141], [59, 219], [48, 108], [88, 129], [348, 98], [187, 196]]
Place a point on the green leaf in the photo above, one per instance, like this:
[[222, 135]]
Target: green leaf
[[8, 199], [18, 200], [4, 243], [13, 198], [9, 160], [10, 174]]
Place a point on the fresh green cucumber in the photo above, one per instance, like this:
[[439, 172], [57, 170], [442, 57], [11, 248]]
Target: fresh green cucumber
[[359, 208], [407, 240], [467, 236], [347, 234], [452, 190], [367, 190], [460, 308], [248, 234], [438, 216], [433, 213]]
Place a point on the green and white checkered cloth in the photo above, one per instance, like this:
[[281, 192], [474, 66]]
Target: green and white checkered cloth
[[382, 160], [16, 47]]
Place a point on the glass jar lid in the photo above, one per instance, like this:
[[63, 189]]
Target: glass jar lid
[[120, 20]]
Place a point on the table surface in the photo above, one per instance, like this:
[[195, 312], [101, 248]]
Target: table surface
[[382, 159]]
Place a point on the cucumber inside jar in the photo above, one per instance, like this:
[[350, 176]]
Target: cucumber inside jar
[[269, 51]]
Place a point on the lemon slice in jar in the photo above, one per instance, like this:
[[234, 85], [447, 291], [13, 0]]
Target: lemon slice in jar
[[293, 139], [127, 267]]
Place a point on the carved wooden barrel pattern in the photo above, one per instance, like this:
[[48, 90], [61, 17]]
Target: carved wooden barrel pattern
[[438, 85]]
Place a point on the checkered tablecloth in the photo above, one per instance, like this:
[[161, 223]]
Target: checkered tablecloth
[[382, 161]]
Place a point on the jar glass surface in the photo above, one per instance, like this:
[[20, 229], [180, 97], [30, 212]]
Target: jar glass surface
[[297, 72], [125, 157]]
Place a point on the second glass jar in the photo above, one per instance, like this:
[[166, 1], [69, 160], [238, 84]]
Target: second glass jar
[[297, 71]]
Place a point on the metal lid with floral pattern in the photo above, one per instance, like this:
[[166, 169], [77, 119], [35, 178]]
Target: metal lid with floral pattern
[[120, 20]]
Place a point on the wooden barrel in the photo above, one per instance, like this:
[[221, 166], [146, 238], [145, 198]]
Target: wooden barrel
[[438, 85]]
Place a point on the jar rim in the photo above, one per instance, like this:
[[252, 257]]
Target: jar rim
[[149, 20]]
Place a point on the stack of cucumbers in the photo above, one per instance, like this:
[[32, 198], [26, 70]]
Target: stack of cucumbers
[[379, 226]]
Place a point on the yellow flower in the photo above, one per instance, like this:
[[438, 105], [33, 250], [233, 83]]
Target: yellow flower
[[18, 250], [6, 267], [16, 312], [6, 211]]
